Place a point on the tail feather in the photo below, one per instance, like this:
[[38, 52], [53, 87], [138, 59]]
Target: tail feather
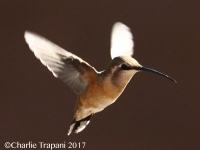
[[78, 126]]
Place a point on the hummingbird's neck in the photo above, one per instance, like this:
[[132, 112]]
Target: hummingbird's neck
[[117, 77], [122, 79], [113, 83]]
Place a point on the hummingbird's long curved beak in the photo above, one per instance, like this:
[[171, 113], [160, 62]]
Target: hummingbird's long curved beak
[[157, 72]]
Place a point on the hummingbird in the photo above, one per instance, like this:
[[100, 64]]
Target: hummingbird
[[95, 89]]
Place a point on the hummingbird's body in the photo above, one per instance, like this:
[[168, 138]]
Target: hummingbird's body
[[104, 88], [95, 90]]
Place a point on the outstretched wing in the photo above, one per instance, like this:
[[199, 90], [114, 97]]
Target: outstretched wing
[[63, 64], [121, 40]]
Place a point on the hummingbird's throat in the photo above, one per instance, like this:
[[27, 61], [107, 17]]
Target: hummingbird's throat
[[122, 78]]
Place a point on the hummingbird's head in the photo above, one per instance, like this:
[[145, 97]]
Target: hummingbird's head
[[124, 64], [124, 67]]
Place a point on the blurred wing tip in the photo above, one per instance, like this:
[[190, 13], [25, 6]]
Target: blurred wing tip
[[121, 40], [120, 25], [28, 36]]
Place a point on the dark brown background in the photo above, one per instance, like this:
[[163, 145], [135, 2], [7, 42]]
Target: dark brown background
[[152, 114]]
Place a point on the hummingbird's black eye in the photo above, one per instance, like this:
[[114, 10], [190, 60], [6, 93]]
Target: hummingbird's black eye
[[124, 67]]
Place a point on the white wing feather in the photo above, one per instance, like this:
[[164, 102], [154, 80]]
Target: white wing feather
[[121, 40], [63, 64]]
